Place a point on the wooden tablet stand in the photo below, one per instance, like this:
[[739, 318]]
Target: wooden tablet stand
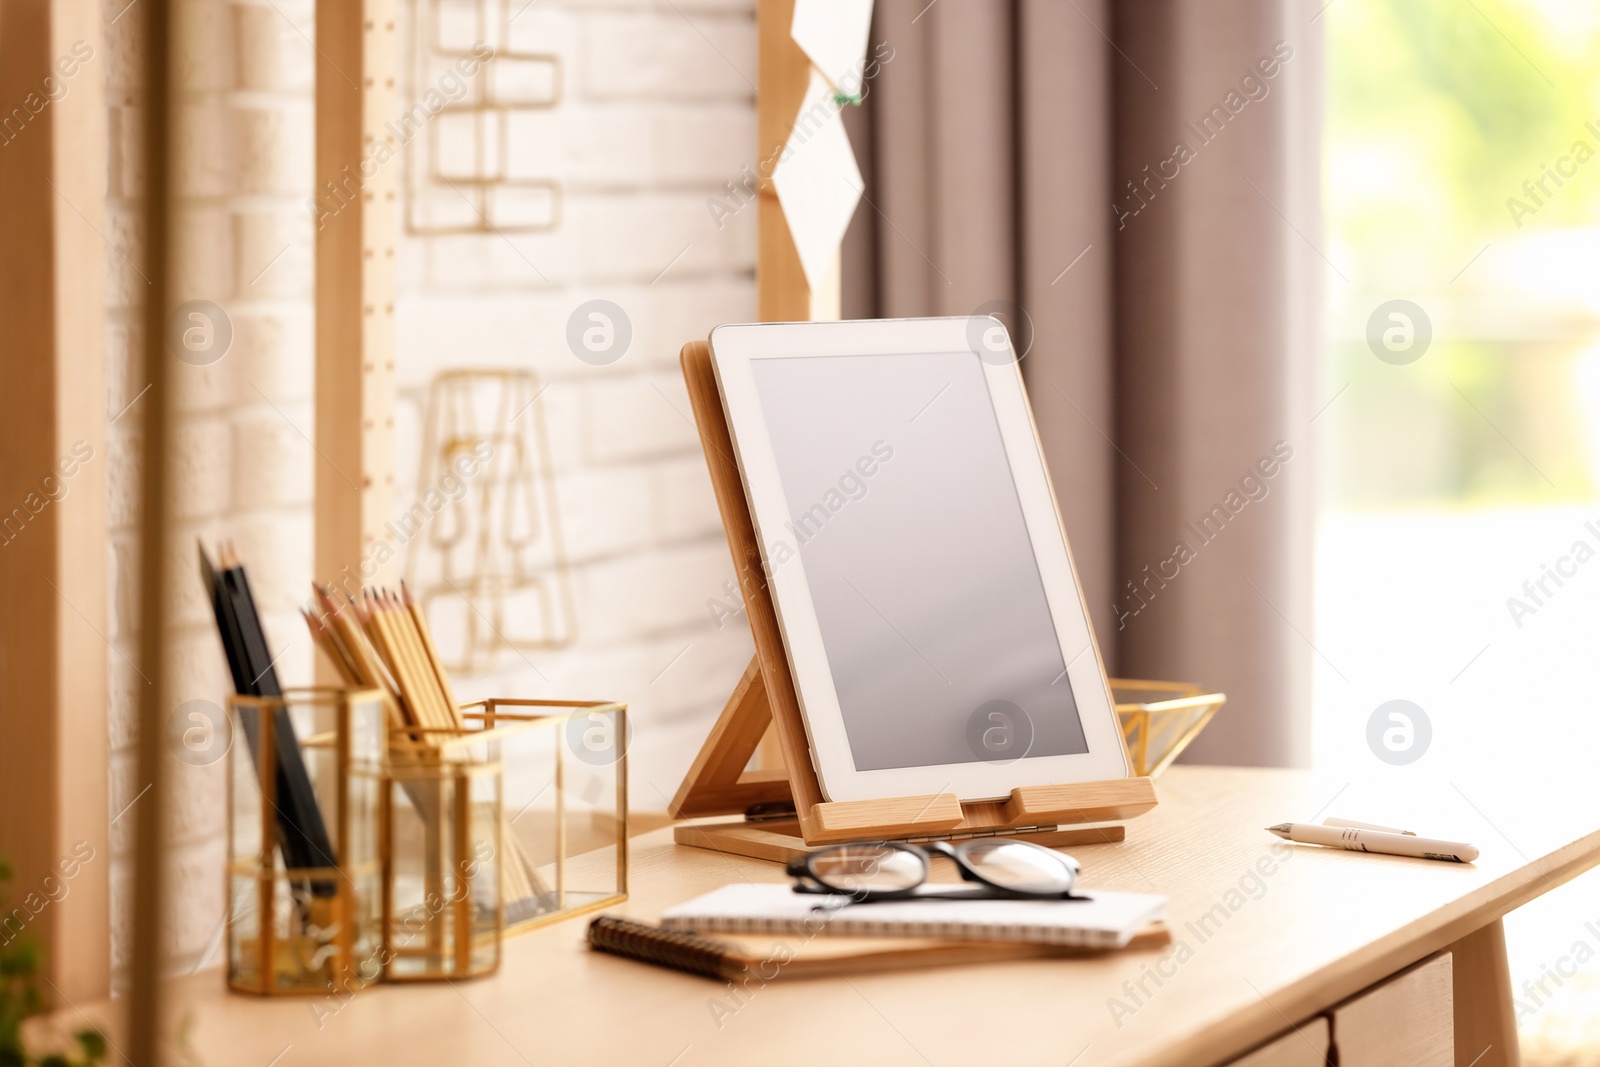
[[783, 808]]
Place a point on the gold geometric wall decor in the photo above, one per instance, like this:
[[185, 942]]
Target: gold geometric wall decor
[[461, 175], [490, 566]]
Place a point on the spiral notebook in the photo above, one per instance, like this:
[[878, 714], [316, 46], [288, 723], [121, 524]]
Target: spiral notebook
[[732, 957], [1101, 920]]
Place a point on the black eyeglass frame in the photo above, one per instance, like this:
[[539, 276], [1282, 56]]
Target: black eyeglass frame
[[802, 870]]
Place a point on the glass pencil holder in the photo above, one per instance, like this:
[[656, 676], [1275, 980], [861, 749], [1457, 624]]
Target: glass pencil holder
[[566, 783], [441, 815], [304, 868]]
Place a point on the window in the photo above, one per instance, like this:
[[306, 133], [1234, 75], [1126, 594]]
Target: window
[[1459, 544]]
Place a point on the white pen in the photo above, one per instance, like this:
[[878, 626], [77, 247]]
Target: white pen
[[1387, 842], [1352, 824]]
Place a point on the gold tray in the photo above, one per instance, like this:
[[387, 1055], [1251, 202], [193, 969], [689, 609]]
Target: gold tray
[[1159, 719]]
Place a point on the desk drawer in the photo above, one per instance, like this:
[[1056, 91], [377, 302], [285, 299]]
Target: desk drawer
[[1304, 1046], [1407, 1019]]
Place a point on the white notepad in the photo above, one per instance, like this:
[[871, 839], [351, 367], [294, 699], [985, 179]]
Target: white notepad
[[1106, 920]]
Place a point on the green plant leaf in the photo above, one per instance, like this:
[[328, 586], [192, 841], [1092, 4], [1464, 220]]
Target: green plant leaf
[[21, 962], [93, 1043]]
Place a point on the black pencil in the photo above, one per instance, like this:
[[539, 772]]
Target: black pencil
[[303, 835]]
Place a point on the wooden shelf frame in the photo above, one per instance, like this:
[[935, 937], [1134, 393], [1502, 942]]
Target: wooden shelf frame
[[54, 659], [356, 183]]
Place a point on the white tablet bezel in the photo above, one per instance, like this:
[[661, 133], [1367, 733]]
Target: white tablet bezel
[[734, 349]]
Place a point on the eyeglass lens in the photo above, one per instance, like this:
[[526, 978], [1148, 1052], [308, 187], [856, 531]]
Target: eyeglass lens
[[879, 868], [1021, 866]]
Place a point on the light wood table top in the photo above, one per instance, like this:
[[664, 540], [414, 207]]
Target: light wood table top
[[1292, 930]]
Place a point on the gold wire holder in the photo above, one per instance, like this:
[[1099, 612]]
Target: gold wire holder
[[304, 929], [1159, 719]]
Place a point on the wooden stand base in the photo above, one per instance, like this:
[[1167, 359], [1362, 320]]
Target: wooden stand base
[[781, 842], [719, 784]]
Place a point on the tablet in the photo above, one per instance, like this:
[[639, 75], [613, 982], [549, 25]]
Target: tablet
[[931, 615]]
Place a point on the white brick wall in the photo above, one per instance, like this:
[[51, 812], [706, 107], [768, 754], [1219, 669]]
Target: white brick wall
[[244, 469], [658, 113]]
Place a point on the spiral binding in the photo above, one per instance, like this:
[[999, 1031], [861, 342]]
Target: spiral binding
[[668, 948]]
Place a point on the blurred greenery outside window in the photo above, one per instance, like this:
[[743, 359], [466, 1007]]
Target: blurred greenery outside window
[[1463, 174]]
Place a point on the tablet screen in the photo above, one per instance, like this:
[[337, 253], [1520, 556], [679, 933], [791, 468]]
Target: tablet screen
[[918, 560]]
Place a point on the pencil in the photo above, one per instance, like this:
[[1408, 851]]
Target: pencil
[[303, 835], [420, 621], [381, 639]]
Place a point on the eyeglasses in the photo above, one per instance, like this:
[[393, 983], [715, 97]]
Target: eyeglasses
[[892, 870]]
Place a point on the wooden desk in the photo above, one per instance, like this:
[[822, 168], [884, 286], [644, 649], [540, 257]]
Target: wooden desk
[[1272, 944]]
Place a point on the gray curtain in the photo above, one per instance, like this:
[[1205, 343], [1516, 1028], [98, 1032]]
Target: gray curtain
[[1023, 156]]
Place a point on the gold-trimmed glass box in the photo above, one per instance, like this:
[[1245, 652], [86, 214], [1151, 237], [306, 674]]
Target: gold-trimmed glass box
[[441, 816], [304, 869], [566, 784]]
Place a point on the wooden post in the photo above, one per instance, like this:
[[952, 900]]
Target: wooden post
[[357, 174], [146, 1001], [53, 657], [782, 293]]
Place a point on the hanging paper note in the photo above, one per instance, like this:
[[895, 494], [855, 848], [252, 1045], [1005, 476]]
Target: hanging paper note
[[833, 35], [818, 182]]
